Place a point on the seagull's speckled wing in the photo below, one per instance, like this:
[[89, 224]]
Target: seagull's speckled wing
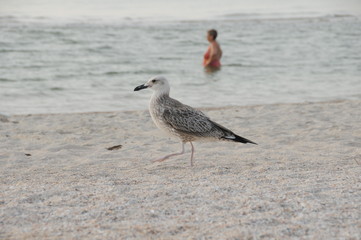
[[187, 120]]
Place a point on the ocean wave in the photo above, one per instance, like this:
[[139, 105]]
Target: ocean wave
[[283, 16], [251, 65], [7, 80], [56, 89], [34, 79], [135, 72]]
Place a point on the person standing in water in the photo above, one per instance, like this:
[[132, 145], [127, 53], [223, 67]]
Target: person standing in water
[[213, 54]]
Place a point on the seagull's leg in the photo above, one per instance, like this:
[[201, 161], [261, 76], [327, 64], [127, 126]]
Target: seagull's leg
[[170, 155], [192, 154]]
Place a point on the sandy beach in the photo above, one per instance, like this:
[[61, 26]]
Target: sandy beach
[[303, 180]]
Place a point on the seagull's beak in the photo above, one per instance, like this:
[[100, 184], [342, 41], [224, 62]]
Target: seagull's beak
[[140, 87]]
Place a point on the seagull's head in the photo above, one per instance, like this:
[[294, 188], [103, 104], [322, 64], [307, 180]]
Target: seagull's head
[[157, 84]]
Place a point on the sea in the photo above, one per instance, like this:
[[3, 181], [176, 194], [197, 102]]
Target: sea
[[65, 56]]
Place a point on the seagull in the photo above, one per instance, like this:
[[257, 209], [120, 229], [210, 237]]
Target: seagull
[[183, 121]]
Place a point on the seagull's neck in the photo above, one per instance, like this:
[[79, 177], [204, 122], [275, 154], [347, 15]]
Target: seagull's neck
[[156, 100], [160, 93]]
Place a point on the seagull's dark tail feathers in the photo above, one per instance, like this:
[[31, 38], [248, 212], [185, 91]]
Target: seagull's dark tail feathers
[[230, 136], [242, 140], [235, 138]]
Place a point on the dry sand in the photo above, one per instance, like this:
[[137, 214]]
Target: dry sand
[[58, 180]]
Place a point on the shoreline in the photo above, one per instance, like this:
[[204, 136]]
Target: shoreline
[[59, 181], [200, 108]]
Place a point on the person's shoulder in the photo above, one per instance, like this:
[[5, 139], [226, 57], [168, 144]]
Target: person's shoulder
[[214, 44]]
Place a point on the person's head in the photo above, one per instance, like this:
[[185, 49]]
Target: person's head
[[212, 35]]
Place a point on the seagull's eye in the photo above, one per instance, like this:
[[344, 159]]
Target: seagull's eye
[[153, 81]]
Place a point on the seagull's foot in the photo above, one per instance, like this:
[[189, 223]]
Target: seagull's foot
[[170, 155], [166, 157]]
